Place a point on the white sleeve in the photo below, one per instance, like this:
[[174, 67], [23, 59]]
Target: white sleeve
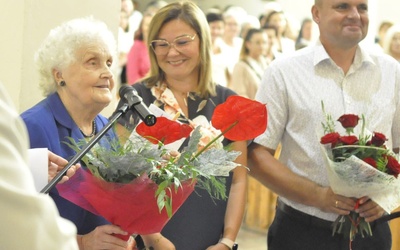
[[29, 220]]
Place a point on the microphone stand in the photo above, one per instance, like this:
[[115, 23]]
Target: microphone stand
[[85, 149]]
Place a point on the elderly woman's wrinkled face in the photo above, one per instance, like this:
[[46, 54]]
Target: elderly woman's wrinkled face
[[89, 79]]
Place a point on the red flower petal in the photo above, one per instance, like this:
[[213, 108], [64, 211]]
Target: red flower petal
[[349, 120], [378, 139], [393, 166], [250, 116], [370, 161], [348, 140], [330, 138], [164, 130]]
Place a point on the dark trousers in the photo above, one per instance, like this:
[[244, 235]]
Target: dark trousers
[[289, 232]]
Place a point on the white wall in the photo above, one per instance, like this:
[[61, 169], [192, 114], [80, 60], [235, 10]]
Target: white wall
[[24, 24]]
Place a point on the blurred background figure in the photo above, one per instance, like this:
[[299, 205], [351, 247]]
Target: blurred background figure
[[138, 61], [272, 50], [126, 34], [125, 42], [231, 43], [380, 37], [305, 36], [220, 73], [391, 43], [268, 8], [249, 22], [278, 19], [248, 72]]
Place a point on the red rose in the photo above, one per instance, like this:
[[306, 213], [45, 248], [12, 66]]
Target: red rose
[[348, 140], [393, 166], [370, 161], [330, 138], [349, 120], [378, 139]]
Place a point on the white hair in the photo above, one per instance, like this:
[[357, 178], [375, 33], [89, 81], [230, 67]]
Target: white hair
[[58, 50]]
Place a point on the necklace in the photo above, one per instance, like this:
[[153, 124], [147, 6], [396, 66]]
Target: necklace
[[93, 130]]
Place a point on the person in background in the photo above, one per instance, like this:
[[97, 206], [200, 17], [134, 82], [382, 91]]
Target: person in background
[[272, 51], [305, 34], [247, 73], [220, 73], [231, 42], [180, 83], [29, 220], [249, 22], [349, 80], [391, 43], [383, 27], [125, 41], [138, 61], [74, 63], [278, 19]]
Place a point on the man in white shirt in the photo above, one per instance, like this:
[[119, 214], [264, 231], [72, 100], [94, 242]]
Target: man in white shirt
[[348, 80]]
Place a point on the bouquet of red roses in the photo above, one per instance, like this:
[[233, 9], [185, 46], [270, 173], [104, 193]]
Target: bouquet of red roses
[[357, 167], [141, 184]]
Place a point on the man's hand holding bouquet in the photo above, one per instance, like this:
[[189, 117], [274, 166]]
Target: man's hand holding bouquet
[[359, 166], [140, 185]]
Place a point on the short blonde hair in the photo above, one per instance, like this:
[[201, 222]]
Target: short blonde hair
[[192, 15], [58, 49]]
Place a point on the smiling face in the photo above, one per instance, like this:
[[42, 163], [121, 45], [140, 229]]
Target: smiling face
[[342, 23], [89, 80], [182, 63]]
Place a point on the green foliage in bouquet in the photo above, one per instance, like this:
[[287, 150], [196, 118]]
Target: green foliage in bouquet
[[123, 163], [145, 153]]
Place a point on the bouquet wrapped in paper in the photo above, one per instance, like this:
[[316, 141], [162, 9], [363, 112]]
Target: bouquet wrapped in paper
[[141, 184], [360, 167]]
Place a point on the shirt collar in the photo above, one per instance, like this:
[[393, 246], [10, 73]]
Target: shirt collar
[[360, 58]]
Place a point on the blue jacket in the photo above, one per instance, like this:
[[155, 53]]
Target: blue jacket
[[49, 125]]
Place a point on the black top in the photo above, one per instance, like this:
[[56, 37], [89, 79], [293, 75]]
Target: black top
[[199, 223]]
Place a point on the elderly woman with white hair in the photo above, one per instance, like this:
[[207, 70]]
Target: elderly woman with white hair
[[74, 63]]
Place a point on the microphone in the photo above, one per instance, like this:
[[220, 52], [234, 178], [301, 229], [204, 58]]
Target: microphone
[[136, 102]]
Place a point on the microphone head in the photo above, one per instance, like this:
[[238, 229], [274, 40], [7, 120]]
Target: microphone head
[[126, 89]]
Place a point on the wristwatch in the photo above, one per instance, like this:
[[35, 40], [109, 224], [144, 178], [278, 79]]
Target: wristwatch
[[229, 243]]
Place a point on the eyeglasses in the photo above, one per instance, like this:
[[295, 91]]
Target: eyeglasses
[[162, 47]]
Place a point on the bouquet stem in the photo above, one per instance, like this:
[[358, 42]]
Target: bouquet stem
[[350, 225]]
